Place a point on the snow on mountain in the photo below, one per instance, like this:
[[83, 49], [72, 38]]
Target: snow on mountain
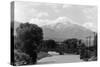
[[64, 30]]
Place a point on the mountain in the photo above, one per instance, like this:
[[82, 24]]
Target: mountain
[[64, 30]]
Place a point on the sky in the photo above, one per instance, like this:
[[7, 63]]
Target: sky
[[49, 13]]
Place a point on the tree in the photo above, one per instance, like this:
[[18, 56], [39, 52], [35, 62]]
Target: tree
[[30, 36], [71, 45], [30, 32], [95, 43], [51, 44]]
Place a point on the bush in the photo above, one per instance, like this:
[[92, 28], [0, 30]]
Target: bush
[[21, 58]]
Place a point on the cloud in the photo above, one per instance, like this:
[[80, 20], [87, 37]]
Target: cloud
[[90, 25], [42, 14], [39, 22], [53, 5], [64, 20], [91, 13], [66, 6], [91, 17], [42, 22]]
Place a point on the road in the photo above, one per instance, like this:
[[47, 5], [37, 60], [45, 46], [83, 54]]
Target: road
[[60, 59]]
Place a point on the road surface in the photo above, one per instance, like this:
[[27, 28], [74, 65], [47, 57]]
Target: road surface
[[60, 59]]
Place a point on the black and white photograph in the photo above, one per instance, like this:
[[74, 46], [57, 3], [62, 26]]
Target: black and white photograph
[[53, 33]]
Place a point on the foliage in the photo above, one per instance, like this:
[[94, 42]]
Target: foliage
[[21, 58], [48, 45], [29, 32], [71, 45], [29, 37]]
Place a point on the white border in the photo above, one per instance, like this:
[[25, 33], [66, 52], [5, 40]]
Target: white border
[[5, 32]]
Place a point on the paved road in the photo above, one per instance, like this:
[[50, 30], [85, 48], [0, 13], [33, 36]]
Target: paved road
[[60, 59]]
